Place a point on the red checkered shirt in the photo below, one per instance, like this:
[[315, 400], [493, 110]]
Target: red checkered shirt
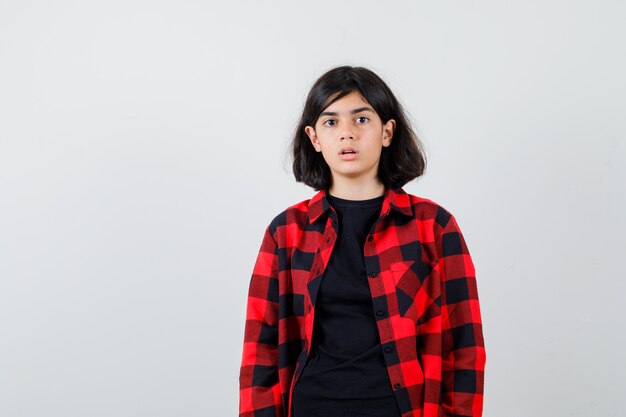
[[424, 296]]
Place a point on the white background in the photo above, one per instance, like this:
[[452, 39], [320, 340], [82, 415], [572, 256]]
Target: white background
[[143, 150]]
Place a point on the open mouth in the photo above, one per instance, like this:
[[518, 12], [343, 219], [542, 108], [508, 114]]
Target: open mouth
[[347, 150], [348, 154]]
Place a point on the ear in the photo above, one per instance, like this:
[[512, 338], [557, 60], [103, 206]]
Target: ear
[[310, 132], [388, 129]]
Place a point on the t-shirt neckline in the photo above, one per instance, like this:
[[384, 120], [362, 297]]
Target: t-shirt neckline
[[342, 202]]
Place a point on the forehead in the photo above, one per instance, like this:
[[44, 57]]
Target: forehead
[[349, 101]]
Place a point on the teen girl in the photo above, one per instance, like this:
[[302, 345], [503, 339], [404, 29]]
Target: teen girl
[[363, 299]]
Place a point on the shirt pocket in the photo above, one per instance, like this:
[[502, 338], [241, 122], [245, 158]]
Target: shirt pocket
[[417, 289]]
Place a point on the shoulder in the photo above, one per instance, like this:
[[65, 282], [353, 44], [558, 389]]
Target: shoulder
[[295, 215], [428, 210]]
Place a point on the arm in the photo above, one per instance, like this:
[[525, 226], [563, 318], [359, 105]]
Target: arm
[[259, 387], [463, 350]]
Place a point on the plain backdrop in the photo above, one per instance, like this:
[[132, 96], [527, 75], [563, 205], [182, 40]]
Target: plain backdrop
[[144, 149]]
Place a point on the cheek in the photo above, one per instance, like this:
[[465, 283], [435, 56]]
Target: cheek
[[324, 145], [326, 153]]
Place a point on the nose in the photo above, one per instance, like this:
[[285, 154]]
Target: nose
[[346, 132]]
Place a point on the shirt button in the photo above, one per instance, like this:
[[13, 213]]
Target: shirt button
[[388, 349], [397, 386], [380, 313], [373, 274]]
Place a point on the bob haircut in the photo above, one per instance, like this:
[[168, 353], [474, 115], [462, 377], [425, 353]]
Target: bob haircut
[[402, 161]]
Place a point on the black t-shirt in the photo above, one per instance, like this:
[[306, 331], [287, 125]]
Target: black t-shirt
[[346, 374]]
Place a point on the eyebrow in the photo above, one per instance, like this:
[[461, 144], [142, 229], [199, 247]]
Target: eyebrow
[[355, 111]]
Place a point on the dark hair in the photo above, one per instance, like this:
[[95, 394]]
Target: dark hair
[[402, 161]]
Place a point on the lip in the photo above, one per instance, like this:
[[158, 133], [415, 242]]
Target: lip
[[348, 156], [347, 148]]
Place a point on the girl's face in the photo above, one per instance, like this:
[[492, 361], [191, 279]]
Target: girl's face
[[350, 135]]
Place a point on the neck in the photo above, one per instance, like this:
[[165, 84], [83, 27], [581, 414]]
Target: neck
[[356, 189]]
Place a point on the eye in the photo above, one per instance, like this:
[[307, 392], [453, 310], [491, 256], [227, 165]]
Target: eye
[[361, 119], [329, 122]]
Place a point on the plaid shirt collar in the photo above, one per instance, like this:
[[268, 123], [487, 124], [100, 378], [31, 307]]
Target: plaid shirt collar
[[395, 199]]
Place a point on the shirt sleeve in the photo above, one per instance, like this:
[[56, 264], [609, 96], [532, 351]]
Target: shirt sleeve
[[463, 350], [259, 388]]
